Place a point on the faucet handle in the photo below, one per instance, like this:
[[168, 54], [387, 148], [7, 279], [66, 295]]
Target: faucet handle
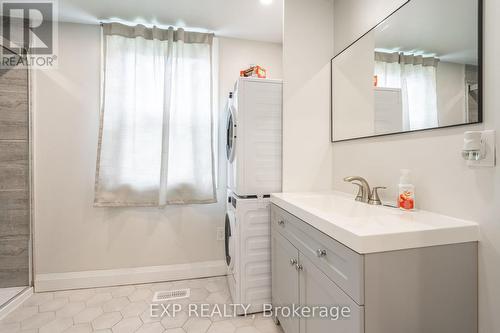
[[374, 197], [361, 191]]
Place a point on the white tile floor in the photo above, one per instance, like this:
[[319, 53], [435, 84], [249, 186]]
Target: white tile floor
[[127, 309]]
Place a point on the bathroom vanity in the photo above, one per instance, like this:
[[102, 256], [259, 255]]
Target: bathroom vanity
[[397, 272]]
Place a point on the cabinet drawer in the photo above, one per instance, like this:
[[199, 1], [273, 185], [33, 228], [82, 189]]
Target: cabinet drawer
[[341, 264]]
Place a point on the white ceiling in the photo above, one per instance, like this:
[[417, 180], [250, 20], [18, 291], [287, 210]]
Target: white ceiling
[[446, 28], [246, 19]]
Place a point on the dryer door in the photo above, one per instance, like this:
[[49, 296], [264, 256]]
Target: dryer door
[[230, 235], [231, 133]]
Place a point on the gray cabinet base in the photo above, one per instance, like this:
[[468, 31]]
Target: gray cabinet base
[[426, 290]]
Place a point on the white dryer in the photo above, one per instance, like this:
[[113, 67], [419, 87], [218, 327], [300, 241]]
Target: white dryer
[[254, 136], [248, 251]]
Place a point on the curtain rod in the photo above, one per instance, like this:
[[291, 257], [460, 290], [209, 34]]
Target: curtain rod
[[101, 23]]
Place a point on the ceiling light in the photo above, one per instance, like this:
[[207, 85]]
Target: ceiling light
[[266, 2]]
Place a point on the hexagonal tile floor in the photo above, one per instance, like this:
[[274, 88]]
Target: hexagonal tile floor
[[128, 309]]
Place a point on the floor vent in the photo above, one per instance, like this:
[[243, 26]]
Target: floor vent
[[169, 295]]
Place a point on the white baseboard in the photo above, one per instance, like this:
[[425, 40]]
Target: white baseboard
[[117, 277], [15, 302]]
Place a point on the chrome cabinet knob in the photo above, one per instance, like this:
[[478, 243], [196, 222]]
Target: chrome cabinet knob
[[321, 253], [281, 222], [299, 267], [293, 262]]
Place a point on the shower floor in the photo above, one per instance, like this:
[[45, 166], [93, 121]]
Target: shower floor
[[6, 294]]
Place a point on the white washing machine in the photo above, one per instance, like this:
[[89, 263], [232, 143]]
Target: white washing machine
[[254, 136], [248, 251]]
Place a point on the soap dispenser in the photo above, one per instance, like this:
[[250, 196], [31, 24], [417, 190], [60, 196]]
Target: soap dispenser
[[406, 198]]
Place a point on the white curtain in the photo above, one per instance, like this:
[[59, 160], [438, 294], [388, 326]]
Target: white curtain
[[156, 134], [388, 70], [416, 77]]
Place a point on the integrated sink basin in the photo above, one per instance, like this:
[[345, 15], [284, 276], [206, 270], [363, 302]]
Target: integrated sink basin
[[370, 229]]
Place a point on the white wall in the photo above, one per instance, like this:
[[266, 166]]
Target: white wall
[[307, 50], [72, 235], [353, 18], [443, 183], [237, 54]]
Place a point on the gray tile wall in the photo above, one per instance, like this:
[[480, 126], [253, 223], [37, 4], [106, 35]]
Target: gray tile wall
[[14, 178]]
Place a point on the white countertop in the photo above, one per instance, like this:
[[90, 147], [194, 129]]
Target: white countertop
[[369, 229]]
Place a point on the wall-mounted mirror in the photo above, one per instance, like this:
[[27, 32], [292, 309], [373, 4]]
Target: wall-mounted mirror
[[419, 69]]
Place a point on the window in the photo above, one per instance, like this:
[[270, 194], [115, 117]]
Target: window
[[415, 75], [156, 136]]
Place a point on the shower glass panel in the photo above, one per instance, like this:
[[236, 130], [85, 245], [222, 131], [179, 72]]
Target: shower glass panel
[[15, 165]]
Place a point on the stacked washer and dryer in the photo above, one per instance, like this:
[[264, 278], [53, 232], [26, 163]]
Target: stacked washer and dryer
[[254, 153]]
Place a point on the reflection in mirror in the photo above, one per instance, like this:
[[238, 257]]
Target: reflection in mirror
[[418, 69]]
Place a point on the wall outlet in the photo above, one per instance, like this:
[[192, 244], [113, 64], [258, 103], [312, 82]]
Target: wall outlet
[[220, 234]]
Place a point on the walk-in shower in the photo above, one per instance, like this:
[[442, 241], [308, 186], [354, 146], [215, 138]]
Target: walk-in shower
[[15, 181]]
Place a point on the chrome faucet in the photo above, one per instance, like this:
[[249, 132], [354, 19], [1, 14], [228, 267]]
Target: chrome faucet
[[364, 188]]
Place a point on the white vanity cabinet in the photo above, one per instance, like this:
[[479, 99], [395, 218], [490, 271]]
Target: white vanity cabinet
[[423, 290]]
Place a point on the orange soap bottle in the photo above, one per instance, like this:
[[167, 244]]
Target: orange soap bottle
[[406, 198]]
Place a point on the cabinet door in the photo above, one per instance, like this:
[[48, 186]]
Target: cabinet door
[[285, 279], [316, 289]]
